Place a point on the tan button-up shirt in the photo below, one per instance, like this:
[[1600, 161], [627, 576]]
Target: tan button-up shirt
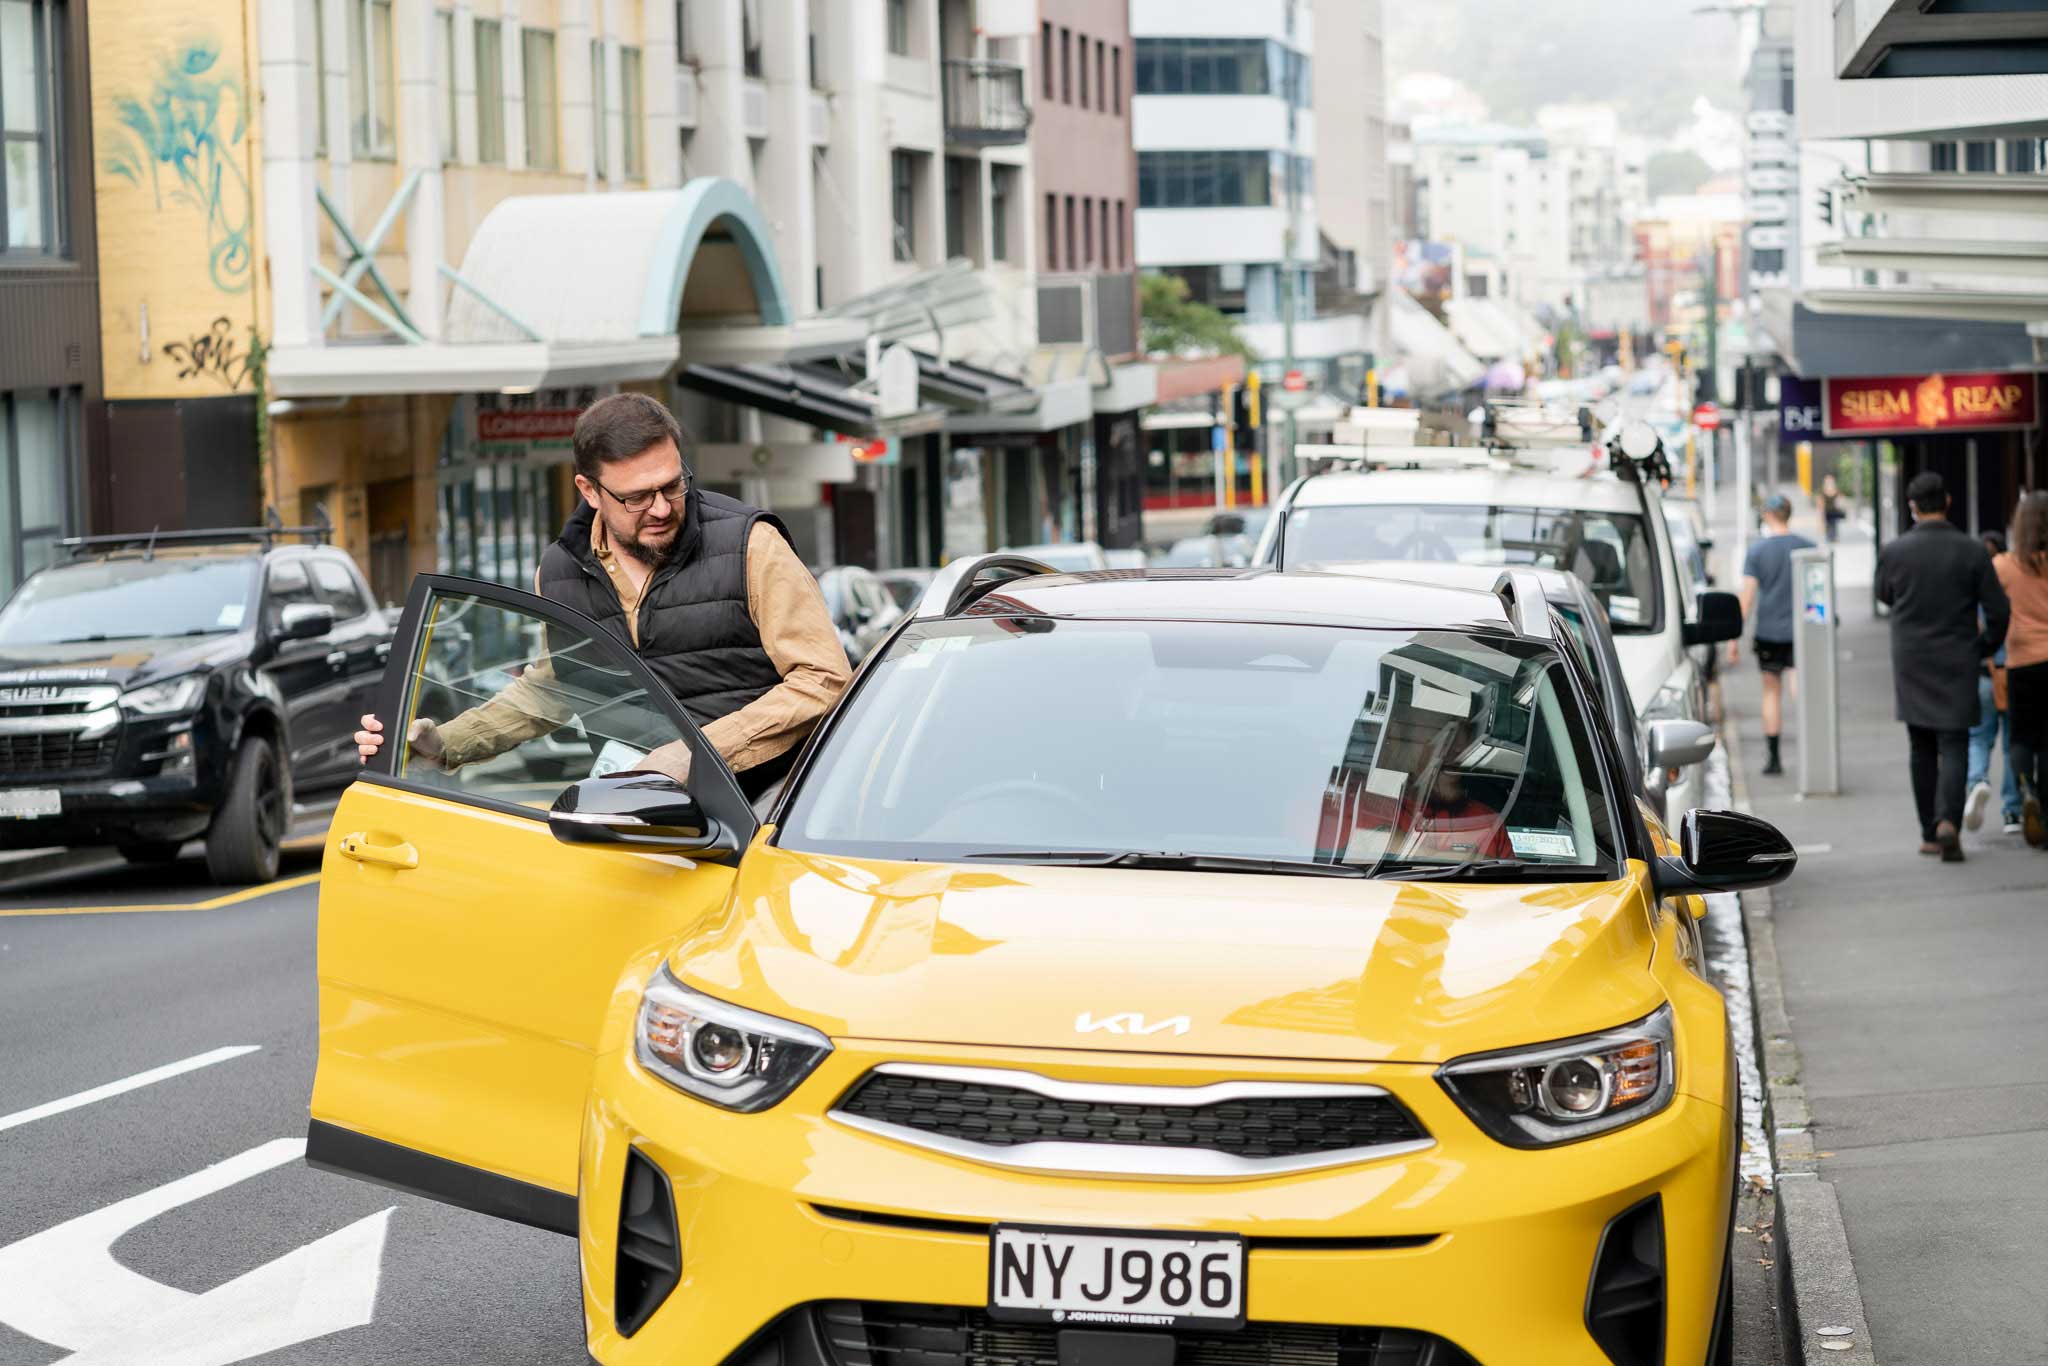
[[796, 632]]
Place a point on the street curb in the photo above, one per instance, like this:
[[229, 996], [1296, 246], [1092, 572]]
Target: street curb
[[1816, 1276]]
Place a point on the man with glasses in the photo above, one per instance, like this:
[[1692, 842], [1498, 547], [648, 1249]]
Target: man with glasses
[[708, 591]]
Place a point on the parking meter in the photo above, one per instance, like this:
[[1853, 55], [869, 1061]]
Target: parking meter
[[1814, 625]]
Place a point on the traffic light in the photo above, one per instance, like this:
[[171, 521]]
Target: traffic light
[[1826, 204], [1246, 433]]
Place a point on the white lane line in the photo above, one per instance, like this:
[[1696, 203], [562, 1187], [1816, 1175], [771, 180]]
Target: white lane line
[[115, 1088]]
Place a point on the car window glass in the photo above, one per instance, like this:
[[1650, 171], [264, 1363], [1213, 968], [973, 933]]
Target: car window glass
[[1347, 746], [337, 588], [129, 599], [1613, 552], [288, 584], [523, 706]]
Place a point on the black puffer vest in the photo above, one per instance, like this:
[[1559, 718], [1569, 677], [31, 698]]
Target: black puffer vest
[[696, 634]]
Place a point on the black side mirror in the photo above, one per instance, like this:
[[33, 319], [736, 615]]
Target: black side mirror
[[1720, 618], [1725, 851], [305, 621], [651, 812]]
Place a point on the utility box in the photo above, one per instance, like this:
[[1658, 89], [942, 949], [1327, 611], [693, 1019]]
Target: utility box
[[1815, 624]]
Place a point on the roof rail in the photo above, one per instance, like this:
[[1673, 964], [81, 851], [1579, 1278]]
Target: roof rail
[[1528, 607], [269, 533], [1397, 457], [955, 588]]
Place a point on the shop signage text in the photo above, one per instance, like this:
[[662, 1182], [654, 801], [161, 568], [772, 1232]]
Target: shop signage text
[[532, 424], [1801, 416], [1904, 404]]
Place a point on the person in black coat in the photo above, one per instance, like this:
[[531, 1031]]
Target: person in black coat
[[1948, 613]]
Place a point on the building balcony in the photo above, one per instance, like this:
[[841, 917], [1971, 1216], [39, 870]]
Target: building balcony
[[985, 103]]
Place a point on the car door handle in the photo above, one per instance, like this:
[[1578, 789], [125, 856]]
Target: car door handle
[[337, 659], [399, 855]]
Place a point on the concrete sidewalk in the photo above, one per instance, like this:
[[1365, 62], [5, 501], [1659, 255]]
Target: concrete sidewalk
[[1916, 1000]]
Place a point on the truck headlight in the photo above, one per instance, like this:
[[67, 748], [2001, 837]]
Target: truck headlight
[[1561, 1092], [172, 697], [734, 1058]]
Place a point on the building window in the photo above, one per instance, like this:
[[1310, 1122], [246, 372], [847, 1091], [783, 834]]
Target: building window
[[1052, 232], [599, 162], [1002, 193], [1123, 236], [750, 38], [490, 92], [1084, 71], [1941, 156], [2023, 156], [543, 108], [31, 186], [444, 43], [1087, 232], [372, 93], [1116, 81], [1072, 239], [1102, 212], [320, 78], [899, 27], [633, 112], [1066, 66], [1045, 58], [1223, 66], [1211, 180], [1101, 74], [903, 203], [960, 175], [38, 431], [682, 31], [1980, 157]]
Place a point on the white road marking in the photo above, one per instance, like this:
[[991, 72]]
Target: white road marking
[[115, 1088], [65, 1286]]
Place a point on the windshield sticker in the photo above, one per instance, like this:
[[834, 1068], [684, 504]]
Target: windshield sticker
[[230, 615], [1625, 609], [1541, 844], [616, 757]]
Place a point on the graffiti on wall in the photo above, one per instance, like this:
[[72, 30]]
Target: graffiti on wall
[[180, 141], [211, 354]]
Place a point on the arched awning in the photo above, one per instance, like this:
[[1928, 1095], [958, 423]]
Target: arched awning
[[614, 267]]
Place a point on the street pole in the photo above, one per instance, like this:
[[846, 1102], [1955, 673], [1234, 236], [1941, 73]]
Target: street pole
[[1287, 301]]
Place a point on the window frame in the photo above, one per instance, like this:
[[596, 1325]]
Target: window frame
[[47, 141], [899, 26], [548, 120], [15, 533], [490, 90], [903, 205], [712, 781], [373, 84], [633, 112], [451, 111], [600, 94]]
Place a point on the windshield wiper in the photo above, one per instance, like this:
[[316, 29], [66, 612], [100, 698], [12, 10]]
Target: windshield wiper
[[1196, 863], [1480, 870]]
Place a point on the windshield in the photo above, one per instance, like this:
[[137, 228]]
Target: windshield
[[1612, 551], [130, 599], [1362, 748]]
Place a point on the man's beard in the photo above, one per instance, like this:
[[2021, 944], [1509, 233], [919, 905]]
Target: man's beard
[[653, 556]]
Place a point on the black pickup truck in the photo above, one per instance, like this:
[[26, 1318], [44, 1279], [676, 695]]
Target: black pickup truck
[[156, 689]]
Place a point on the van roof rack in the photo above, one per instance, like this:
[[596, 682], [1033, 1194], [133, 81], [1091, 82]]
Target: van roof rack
[[267, 535]]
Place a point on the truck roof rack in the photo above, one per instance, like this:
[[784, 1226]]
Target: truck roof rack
[[266, 535]]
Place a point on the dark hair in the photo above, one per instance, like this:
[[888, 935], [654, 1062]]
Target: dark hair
[[622, 426], [1927, 492], [2030, 532], [1994, 541]]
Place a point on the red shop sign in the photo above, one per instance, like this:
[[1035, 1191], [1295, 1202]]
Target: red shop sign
[[1893, 405], [533, 424]]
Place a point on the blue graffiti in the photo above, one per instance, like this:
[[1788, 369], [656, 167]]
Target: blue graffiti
[[191, 122]]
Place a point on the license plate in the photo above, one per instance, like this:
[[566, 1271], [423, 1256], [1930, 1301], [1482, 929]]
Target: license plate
[[1147, 1280], [26, 803]]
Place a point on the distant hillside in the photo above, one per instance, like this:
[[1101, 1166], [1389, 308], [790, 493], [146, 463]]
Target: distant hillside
[[1652, 58]]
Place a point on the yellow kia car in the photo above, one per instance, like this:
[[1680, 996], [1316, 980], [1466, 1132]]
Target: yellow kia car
[[1203, 968]]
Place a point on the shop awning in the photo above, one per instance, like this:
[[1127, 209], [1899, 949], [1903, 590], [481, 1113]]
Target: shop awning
[[1870, 332], [573, 289], [813, 394], [1436, 362]]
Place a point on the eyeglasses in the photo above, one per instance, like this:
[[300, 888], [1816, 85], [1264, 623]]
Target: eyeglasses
[[644, 499]]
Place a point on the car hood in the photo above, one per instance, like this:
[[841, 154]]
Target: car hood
[[121, 662], [1173, 962]]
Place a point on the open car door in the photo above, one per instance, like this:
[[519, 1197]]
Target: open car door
[[468, 960]]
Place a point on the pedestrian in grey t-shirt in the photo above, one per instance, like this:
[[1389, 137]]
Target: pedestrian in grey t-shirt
[[1767, 603]]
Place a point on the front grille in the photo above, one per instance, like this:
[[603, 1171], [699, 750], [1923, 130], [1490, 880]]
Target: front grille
[[1252, 1127], [870, 1334], [55, 752]]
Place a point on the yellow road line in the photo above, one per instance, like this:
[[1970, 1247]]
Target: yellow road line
[[212, 904]]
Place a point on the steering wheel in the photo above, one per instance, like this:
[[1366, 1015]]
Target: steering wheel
[[1423, 544]]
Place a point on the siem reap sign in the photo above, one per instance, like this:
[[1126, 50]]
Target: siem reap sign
[[1901, 405]]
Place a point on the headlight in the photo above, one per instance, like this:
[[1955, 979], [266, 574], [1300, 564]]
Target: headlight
[[734, 1058], [1676, 700], [1562, 1092], [173, 697]]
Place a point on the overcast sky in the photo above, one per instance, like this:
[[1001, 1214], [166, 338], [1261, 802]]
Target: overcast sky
[[1652, 58]]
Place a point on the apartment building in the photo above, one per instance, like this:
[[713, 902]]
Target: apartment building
[[1354, 182], [1499, 192]]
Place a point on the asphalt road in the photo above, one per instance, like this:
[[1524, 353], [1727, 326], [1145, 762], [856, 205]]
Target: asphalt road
[[172, 1224]]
